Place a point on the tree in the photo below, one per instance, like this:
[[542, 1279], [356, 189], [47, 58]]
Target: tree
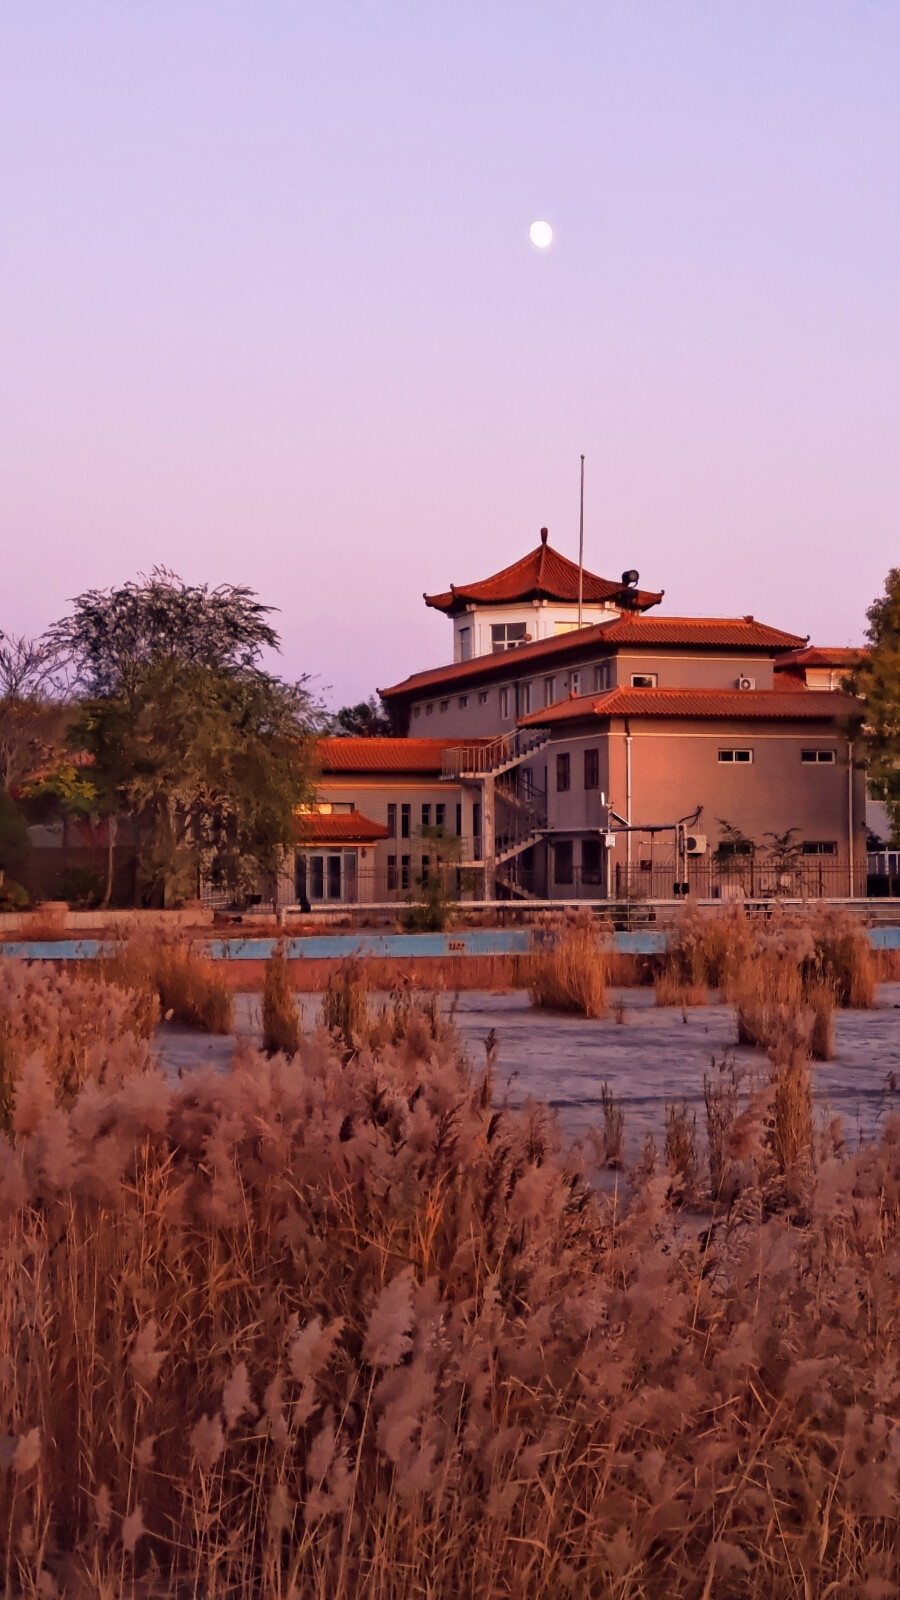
[[208, 754], [368, 720], [875, 679], [113, 634], [210, 764], [32, 713], [13, 834]]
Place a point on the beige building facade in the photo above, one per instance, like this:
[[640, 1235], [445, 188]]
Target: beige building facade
[[634, 756]]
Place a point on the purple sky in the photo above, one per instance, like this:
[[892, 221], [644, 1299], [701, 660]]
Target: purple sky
[[269, 312]]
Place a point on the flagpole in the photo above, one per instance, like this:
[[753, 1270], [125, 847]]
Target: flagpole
[[581, 547]]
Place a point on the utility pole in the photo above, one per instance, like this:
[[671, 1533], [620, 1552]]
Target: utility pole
[[581, 547]]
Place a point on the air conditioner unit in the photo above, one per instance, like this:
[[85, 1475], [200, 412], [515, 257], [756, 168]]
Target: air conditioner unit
[[695, 844], [746, 683]]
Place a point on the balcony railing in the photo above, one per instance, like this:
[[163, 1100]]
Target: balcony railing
[[480, 760]]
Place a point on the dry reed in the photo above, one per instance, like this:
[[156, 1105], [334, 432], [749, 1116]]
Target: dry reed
[[280, 1017], [570, 974], [338, 1328], [190, 987], [613, 1128]]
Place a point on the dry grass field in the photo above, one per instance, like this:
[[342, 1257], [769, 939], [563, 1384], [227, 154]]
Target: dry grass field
[[333, 1325]]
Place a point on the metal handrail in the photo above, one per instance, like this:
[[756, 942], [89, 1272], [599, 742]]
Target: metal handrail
[[481, 759]]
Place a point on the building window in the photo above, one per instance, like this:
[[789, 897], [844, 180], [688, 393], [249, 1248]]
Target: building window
[[592, 769], [590, 861], [417, 711], [463, 701], [426, 816], [404, 872], [465, 644], [564, 627], [429, 710], [817, 758], [426, 864], [440, 811], [562, 773], [507, 636], [549, 691], [601, 677], [392, 821], [736, 755], [445, 705], [504, 704], [458, 819], [819, 847], [404, 821], [574, 682], [643, 680], [482, 697], [726, 848], [524, 699], [334, 877], [392, 872], [316, 878], [562, 861]]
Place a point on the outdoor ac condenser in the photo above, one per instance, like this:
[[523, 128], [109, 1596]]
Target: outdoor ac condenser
[[746, 683], [695, 844]]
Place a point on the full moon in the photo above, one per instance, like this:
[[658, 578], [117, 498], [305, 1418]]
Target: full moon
[[540, 234]]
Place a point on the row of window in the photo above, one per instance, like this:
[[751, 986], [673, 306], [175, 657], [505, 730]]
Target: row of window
[[808, 758], [440, 818], [821, 758], [572, 682], [399, 874]]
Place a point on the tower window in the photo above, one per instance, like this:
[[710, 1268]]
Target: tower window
[[507, 636]]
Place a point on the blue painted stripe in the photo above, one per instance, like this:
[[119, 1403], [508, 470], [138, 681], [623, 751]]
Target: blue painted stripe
[[331, 947]]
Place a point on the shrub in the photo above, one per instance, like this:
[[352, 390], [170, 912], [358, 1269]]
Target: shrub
[[570, 975], [81, 887], [13, 897], [280, 1017]]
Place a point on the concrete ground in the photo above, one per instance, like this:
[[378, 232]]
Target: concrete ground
[[653, 1056]]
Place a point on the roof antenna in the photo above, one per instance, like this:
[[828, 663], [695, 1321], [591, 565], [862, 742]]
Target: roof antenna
[[581, 547]]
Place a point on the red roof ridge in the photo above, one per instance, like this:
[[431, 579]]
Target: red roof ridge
[[541, 571], [734, 633], [700, 702]]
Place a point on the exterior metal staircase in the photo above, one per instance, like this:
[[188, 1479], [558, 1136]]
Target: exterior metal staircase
[[492, 759]]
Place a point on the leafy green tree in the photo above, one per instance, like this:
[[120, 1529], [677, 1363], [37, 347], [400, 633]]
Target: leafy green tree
[[112, 635], [210, 764], [875, 679], [436, 903], [368, 720], [207, 753]]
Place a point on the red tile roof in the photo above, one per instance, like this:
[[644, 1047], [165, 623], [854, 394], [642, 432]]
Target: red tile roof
[[317, 827], [729, 633], [543, 574], [815, 655], [385, 755], [758, 704]]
